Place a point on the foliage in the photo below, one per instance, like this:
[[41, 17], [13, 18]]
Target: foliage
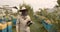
[[36, 26], [58, 1], [54, 17]]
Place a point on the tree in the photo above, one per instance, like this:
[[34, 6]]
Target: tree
[[58, 1]]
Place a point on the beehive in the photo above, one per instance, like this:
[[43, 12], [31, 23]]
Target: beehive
[[14, 21], [0, 20], [9, 26], [3, 27]]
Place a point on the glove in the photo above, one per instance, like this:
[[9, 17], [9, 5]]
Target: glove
[[29, 23]]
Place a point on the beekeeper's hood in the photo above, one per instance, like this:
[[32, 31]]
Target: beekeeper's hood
[[23, 9]]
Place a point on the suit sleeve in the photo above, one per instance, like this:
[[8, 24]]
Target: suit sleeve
[[29, 22]]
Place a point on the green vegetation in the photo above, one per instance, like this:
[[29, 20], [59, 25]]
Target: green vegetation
[[54, 17]]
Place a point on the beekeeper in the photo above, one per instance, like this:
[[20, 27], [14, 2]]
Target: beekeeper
[[23, 21]]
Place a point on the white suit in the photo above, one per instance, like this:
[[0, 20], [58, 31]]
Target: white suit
[[21, 24]]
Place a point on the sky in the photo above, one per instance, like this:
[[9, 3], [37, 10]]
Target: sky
[[36, 4]]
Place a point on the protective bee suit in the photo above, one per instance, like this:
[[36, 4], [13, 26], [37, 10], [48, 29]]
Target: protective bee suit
[[23, 23]]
